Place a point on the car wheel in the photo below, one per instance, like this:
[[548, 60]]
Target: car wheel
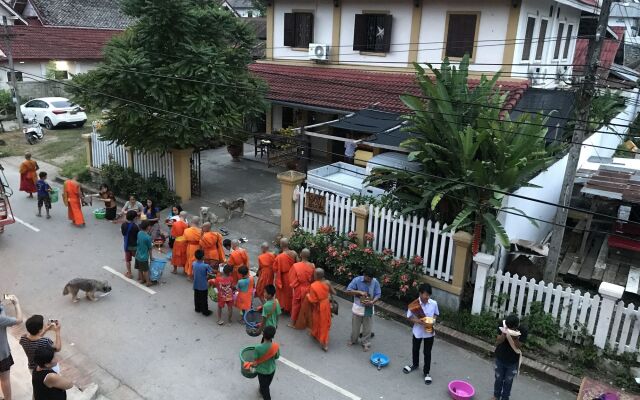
[[47, 123]]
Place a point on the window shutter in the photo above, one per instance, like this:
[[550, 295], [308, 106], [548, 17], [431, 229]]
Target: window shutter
[[461, 35], [386, 40], [528, 38], [289, 29], [306, 29], [360, 32]]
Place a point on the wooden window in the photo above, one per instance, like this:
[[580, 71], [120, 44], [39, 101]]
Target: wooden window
[[559, 37], [528, 38], [18, 76], [461, 34], [298, 29], [567, 42], [372, 32], [542, 36]]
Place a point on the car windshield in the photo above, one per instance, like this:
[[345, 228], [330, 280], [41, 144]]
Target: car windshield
[[62, 103]]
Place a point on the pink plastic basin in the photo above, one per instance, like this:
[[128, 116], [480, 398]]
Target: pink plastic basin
[[461, 390]]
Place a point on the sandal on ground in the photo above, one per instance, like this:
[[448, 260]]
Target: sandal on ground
[[409, 368], [427, 379], [220, 322]]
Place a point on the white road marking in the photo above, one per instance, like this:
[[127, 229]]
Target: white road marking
[[28, 225], [131, 281], [320, 379]]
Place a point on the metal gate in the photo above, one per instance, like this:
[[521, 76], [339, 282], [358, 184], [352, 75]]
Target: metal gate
[[196, 181]]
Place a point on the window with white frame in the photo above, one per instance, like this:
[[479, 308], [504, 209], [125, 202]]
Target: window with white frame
[[542, 38], [567, 41], [559, 39]]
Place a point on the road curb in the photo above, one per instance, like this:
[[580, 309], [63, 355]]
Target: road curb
[[547, 372]]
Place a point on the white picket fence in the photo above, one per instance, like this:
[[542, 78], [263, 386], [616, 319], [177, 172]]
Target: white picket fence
[[337, 212], [103, 152], [145, 163], [571, 309], [405, 236]]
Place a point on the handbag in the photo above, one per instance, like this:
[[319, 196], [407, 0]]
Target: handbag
[[334, 305]]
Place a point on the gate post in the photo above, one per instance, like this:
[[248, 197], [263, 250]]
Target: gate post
[[610, 295], [361, 213], [484, 262], [461, 258], [182, 172], [129, 153], [288, 182], [87, 146]]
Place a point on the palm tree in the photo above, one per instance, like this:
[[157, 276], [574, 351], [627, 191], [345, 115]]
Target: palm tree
[[470, 151]]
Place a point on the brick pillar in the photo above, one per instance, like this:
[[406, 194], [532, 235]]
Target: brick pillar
[[182, 172], [288, 182], [362, 214], [461, 258]]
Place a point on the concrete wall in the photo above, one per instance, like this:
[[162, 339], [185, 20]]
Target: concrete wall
[[32, 89], [493, 27]]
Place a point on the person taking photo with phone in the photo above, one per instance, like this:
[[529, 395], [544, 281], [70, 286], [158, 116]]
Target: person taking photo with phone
[[35, 338], [6, 361]]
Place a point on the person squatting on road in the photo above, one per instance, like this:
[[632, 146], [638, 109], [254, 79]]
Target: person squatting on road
[[6, 361], [200, 284], [44, 198], [508, 356], [36, 339], [366, 291], [47, 384], [422, 312]]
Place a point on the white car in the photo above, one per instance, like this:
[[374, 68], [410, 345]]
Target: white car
[[54, 111]]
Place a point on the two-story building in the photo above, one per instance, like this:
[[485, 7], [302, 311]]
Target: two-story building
[[327, 58]]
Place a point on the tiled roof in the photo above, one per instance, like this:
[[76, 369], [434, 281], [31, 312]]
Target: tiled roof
[[51, 43], [104, 14], [351, 89], [610, 47]]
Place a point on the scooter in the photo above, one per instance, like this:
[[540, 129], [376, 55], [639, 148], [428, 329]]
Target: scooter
[[33, 133]]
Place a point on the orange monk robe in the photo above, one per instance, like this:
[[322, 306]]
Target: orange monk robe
[[211, 243], [179, 250], [237, 259], [284, 293], [300, 277], [265, 272], [71, 196], [315, 313], [28, 176], [192, 235]]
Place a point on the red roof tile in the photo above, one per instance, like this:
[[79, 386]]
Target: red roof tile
[[607, 55], [51, 43], [351, 89]]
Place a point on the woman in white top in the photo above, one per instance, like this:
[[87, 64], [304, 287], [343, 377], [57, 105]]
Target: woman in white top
[[132, 204]]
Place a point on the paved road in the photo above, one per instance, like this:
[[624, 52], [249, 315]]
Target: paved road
[[159, 347]]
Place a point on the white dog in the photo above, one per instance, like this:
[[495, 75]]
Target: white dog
[[207, 216], [235, 206]]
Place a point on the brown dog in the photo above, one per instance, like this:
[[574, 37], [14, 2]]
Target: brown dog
[[89, 286]]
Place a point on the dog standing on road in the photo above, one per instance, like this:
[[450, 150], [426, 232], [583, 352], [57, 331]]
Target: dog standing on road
[[235, 206], [207, 216], [89, 286]]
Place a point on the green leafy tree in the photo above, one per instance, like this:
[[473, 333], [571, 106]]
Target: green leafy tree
[[469, 148], [212, 95], [260, 6]]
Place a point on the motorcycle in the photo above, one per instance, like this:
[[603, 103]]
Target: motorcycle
[[33, 133]]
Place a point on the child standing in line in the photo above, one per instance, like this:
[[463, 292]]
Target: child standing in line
[[224, 283], [200, 283], [43, 194], [245, 290], [271, 308]]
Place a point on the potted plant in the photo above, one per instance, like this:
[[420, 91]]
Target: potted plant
[[235, 145]]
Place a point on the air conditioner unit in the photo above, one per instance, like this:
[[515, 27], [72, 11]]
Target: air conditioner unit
[[535, 75], [318, 51]]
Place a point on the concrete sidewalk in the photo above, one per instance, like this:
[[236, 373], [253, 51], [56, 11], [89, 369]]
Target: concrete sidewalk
[[91, 380]]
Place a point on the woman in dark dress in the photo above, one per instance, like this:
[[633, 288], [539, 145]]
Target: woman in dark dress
[[109, 199], [47, 384]]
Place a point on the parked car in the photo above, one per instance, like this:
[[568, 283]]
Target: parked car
[[53, 112]]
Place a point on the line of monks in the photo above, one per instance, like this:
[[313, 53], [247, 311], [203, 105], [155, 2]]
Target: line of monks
[[301, 289]]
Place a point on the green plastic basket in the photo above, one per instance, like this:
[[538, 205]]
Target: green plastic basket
[[54, 194], [99, 213], [247, 354]]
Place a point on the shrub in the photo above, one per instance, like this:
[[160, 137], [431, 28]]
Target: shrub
[[6, 104], [483, 325], [125, 182], [544, 331]]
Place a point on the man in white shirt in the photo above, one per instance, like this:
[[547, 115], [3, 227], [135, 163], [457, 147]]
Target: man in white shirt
[[350, 150], [422, 312]]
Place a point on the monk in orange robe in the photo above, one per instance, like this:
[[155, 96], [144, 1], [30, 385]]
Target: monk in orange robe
[[237, 259], [300, 278], [315, 313], [211, 244], [28, 176], [281, 266], [72, 198], [265, 269], [179, 249], [192, 235]]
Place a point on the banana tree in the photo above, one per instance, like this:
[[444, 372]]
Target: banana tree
[[470, 150]]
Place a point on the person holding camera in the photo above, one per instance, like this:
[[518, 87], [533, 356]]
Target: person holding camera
[[6, 361], [36, 339]]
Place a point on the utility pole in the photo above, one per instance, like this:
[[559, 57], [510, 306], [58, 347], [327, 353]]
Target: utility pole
[[585, 97], [16, 95]]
